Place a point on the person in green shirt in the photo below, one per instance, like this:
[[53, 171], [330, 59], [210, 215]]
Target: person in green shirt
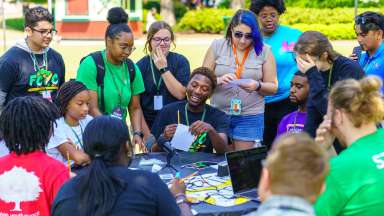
[[354, 185], [120, 94]]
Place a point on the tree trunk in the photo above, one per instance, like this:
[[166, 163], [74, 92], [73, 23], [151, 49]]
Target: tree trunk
[[167, 13], [237, 4]]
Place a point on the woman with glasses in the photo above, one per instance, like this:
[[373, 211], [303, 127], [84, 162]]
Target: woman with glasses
[[165, 73], [369, 28], [121, 88], [282, 39], [246, 71], [31, 67], [324, 67]]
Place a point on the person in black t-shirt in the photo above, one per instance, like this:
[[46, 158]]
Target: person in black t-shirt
[[165, 74], [31, 67], [207, 123]]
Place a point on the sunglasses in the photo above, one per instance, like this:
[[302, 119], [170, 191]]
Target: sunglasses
[[366, 20], [239, 35]]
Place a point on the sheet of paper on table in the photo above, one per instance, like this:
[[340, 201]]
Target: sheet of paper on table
[[182, 139], [213, 189]]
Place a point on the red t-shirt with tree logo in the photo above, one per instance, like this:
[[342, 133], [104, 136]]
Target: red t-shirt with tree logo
[[29, 183]]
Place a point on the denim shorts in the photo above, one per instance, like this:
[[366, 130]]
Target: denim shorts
[[247, 128]]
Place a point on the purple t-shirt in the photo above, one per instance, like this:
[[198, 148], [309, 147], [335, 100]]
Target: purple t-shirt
[[292, 123]]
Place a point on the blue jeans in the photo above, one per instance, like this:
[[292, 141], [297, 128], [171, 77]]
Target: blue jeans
[[247, 128]]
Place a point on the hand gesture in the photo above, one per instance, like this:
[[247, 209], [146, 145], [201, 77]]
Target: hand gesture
[[199, 127], [324, 137], [177, 187], [137, 140], [226, 78], [169, 131], [159, 58], [252, 85], [353, 57], [305, 65]]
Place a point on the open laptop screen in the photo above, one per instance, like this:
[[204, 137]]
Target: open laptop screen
[[245, 167]]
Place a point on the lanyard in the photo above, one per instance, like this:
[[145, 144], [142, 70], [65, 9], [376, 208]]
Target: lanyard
[[186, 114], [77, 136], [330, 78], [240, 67], [157, 84], [36, 65], [119, 91]]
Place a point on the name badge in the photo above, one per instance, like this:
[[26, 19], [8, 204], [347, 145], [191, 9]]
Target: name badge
[[235, 106], [117, 113], [47, 95], [158, 102]]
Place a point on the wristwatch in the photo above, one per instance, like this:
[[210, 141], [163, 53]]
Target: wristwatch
[[163, 70], [138, 133]]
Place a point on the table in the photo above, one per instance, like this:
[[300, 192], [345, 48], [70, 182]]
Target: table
[[183, 158]]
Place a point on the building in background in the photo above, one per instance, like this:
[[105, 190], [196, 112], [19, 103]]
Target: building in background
[[87, 19]]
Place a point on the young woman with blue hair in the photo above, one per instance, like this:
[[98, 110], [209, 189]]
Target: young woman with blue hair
[[246, 71]]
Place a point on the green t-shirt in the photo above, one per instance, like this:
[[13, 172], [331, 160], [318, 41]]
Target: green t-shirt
[[355, 184], [116, 80]]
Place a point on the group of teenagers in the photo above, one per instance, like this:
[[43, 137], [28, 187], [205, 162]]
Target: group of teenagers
[[265, 83]]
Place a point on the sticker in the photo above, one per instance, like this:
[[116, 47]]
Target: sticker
[[235, 106], [47, 95], [117, 113], [158, 102]]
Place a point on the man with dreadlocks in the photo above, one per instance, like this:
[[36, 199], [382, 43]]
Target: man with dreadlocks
[[29, 179]]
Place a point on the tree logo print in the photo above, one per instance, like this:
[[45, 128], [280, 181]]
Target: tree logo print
[[18, 185]]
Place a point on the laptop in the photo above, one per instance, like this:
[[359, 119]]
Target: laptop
[[244, 169]]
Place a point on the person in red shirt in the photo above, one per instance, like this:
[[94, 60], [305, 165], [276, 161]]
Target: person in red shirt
[[29, 179]]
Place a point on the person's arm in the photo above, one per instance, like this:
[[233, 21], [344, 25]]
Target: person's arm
[[269, 83], [136, 115], [86, 73], [178, 189], [209, 59], [77, 155], [173, 85], [8, 76], [218, 140]]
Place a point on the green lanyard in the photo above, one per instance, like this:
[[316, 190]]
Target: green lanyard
[[36, 65], [157, 84], [330, 78], [186, 114], [77, 136], [119, 91]]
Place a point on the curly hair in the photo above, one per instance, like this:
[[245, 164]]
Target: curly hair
[[258, 5], [37, 14]]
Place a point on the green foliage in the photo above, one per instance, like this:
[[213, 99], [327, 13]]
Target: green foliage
[[179, 9], [15, 23], [335, 23], [204, 20], [148, 5], [331, 3], [224, 4]]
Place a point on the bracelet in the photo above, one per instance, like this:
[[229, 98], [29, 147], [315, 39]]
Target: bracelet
[[138, 133], [163, 70], [180, 195], [259, 85]]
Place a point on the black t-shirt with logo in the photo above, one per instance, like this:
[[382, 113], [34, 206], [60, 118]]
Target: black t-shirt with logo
[[20, 77], [168, 115]]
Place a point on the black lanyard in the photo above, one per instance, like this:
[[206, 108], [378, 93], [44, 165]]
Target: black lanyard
[[186, 114]]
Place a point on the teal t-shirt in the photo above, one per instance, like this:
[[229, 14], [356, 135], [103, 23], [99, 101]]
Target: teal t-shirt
[[117, 86], [282, 42], [355, 184]]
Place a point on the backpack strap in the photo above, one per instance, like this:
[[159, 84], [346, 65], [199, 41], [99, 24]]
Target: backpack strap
[[100, 68], [131, 71]]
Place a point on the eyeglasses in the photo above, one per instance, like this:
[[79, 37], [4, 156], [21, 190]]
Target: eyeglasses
[[45, 32], [159, 40], [239, 35], [129, 49]]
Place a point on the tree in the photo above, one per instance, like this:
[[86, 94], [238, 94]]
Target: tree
[[166, 12], [237, 4], [18, 185]]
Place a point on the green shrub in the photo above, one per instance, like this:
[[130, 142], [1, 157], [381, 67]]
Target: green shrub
[[15, 23], [180, 9], [331, 3], [335, 23]]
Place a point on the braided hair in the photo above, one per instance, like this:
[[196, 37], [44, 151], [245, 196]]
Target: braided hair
[[66, 92], [27, 123]]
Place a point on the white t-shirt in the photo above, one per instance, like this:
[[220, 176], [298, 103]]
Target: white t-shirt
[[62, 132], [3, 149]]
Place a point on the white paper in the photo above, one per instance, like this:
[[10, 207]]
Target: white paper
[[182, 139], [240, 81]]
